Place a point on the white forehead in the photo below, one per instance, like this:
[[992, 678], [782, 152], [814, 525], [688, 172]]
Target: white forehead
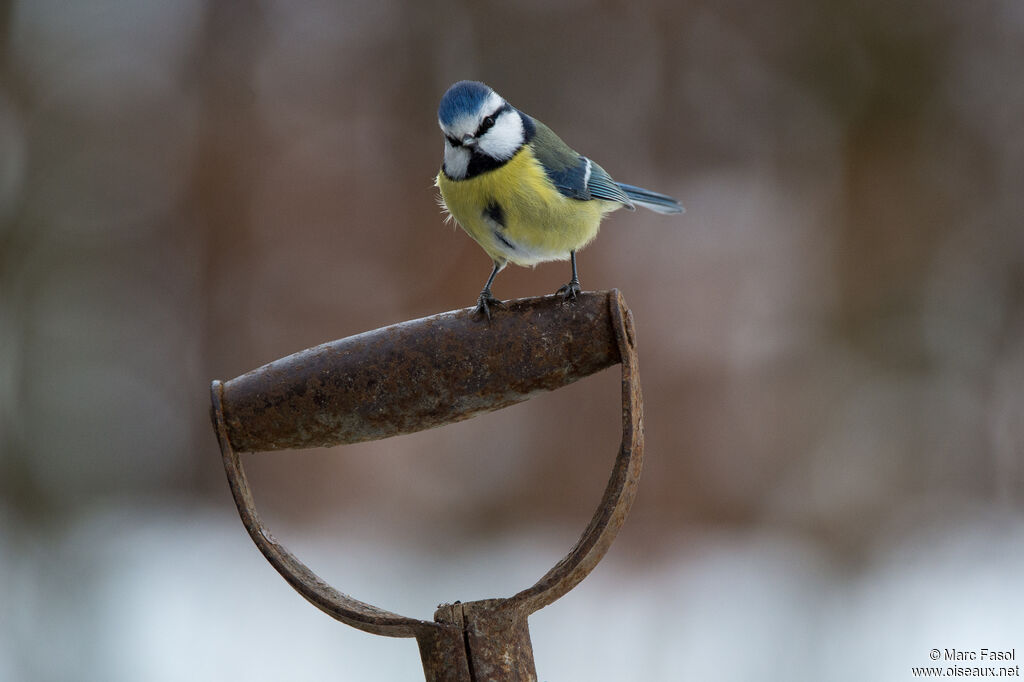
[[469, 122]]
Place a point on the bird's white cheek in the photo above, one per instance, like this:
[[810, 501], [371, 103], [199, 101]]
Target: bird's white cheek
[[456, 161], [505, 138]]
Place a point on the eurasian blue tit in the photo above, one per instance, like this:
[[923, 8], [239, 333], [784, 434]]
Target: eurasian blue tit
[[525, 196]]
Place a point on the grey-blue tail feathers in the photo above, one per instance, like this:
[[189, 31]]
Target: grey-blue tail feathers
[[660, 203]]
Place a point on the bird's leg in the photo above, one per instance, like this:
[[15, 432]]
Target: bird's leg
[[570, 290], [486, 299]]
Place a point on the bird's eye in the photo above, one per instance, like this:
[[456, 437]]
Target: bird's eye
[[488, 122]]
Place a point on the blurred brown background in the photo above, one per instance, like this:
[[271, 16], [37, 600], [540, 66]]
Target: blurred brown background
[[831, 338]]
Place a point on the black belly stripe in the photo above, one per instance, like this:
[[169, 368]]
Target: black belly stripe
[[501, 238], [496, 213]]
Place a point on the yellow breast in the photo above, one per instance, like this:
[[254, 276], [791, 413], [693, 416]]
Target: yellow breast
[[517, 215]]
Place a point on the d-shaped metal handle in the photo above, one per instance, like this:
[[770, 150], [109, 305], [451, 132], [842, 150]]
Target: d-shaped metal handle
[[416, 375]]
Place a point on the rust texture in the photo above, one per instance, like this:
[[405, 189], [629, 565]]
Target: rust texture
[[374, 385], [622, 484], [496, 639], [416, 375]]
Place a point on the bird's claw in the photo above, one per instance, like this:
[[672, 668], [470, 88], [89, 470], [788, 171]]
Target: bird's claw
[[484, 303], [569, 291]]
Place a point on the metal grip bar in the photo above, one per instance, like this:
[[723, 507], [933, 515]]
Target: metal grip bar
[[425, 373], [416, 375]]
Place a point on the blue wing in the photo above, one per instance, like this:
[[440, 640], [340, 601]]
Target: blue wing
[[577, 177], [586, 180], [601, 186], [573, 174]]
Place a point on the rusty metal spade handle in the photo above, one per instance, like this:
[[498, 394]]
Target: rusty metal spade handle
[[424, 373]]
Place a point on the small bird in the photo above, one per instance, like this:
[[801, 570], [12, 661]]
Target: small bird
[[521, 193]]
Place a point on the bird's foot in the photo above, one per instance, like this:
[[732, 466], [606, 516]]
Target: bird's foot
[[484, 303], [569, 291]]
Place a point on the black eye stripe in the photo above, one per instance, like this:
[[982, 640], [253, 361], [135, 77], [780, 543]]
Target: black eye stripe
[[485, 125], [488, 122]]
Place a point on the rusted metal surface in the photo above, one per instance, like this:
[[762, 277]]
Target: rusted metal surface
[[496, 638], [622, 484], [341, 606], [416, 375], [379, 384], [443, 653]]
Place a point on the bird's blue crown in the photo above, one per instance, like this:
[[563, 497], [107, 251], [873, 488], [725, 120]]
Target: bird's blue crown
[[462, 98]]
